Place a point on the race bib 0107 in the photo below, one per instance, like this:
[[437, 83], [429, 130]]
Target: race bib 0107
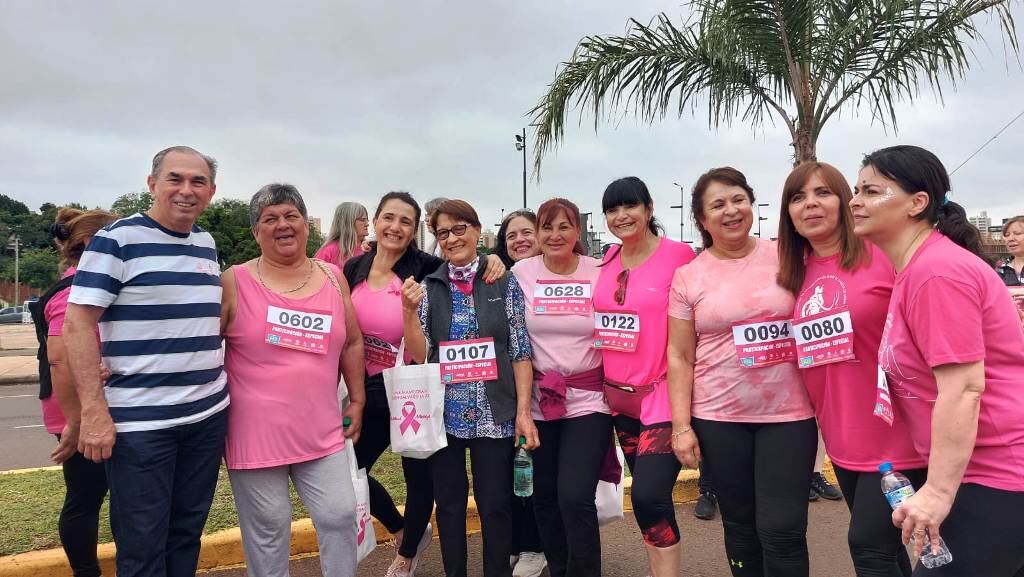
[[764, 342], [468, 361], [616, 330], [298, 329], [561, 297], [824, 338]]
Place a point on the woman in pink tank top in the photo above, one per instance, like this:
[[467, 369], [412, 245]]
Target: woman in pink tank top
[[289, 328]]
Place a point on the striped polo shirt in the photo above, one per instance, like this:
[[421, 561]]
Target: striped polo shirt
[[160, 332]]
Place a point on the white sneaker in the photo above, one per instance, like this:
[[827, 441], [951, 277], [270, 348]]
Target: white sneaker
[[530, 564]]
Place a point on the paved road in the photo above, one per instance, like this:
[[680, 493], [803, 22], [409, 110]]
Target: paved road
[[23, 441], [624, 556]]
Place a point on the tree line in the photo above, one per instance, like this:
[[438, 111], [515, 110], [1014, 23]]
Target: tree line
[[226, 219]]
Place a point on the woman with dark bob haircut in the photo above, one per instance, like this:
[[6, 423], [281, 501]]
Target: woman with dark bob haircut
[[951, 351], [631, 296], [842, 285]]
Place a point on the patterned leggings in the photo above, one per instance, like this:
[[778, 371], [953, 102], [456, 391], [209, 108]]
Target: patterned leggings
[[648, 452]]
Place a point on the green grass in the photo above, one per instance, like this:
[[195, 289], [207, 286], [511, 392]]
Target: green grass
[[32, 503]]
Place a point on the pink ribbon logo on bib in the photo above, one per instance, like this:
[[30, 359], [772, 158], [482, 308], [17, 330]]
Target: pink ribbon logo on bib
[[409, 418]]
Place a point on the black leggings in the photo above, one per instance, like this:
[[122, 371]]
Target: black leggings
[[79, 522], [566, 468], [875, 545], [648, 452], [374, 439], [760, 471], [985, 533]]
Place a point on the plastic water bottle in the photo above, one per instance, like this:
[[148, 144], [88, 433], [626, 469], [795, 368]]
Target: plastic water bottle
[[522, 471], [897, 489]]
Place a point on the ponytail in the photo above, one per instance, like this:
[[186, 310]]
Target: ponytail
[[952, 222]]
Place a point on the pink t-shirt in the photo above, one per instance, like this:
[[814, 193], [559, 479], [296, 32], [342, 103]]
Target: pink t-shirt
[[646, 295], [715, 293], [332, 251], [284, 402], [843, 393], [379, 313], [56, 307], [561, 343], [949, 307]]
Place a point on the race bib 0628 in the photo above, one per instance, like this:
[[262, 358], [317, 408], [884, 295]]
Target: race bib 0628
[[299, 329], [561, 297]]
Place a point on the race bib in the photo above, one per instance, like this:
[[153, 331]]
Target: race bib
[[299, 329], [883, 402], [468, 361], [616, 330], [765, 342], [557, 297], [379, 352], [824, 338]]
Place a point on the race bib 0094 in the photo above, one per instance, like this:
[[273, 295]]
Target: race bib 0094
[[764, 342]]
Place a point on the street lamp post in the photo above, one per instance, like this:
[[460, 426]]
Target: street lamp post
[[760, 218], [15, 244], [521, 146], [682, 212]]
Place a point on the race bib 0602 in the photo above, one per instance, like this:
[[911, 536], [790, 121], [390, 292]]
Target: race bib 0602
[[616, 330], [824, 338], [560, 297], [299, 329], [468, 361], [764, 342]]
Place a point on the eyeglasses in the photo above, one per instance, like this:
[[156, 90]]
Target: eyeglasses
[[457, 230], [623, 280]]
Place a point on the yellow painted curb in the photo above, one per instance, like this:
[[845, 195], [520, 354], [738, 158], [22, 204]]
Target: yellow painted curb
[[224, 548]]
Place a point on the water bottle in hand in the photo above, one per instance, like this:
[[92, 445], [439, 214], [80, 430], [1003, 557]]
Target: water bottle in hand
[[522, 469], [897, 489]]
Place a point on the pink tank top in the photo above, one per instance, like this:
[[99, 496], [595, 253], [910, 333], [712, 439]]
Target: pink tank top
[[282, 364]]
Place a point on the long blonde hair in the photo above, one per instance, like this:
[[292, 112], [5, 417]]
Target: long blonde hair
[[343, 228]]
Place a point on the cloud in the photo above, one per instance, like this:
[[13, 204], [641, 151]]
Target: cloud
[[349, 100]]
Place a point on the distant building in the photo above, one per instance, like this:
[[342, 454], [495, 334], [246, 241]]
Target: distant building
[[488, 240], [424, 240], [982, 221], [315, 221]]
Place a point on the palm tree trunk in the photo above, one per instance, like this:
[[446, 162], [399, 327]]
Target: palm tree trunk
[[805, 147]]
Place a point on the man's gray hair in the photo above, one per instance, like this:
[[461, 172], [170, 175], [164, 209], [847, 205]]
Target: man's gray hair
[[211, 163], [272, 194], [433, 203]]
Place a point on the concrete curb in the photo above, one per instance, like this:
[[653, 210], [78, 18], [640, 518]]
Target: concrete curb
[[19, 380], [224, 548]]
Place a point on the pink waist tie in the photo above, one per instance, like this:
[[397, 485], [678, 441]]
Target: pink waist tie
[[552, 387]]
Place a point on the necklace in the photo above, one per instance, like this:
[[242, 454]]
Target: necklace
[[309, 275]]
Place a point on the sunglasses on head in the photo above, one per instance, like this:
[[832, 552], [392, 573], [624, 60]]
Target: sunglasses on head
[[457, 230], [623, 280]]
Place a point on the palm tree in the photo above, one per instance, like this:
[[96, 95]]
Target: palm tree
[[800, 61]]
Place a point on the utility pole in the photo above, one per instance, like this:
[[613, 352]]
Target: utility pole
[[760, 218], [15, 243]]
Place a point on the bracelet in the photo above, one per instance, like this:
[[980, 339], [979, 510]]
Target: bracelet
[[682, 431]]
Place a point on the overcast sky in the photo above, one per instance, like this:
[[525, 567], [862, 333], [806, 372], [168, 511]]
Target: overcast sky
[[348, 100]]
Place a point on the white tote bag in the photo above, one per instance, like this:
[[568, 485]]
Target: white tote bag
[[609, 496], [366, 537], [416, 399]]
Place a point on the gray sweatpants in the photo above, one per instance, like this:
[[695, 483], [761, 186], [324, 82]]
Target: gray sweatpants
[[265, 514]]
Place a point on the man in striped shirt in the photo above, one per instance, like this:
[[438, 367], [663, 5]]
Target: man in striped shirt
[[150, 285]]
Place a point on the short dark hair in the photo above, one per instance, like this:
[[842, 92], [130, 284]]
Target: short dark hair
[[272, 194], [402, 196], [630, 191], [726, 175], [458, 209]]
